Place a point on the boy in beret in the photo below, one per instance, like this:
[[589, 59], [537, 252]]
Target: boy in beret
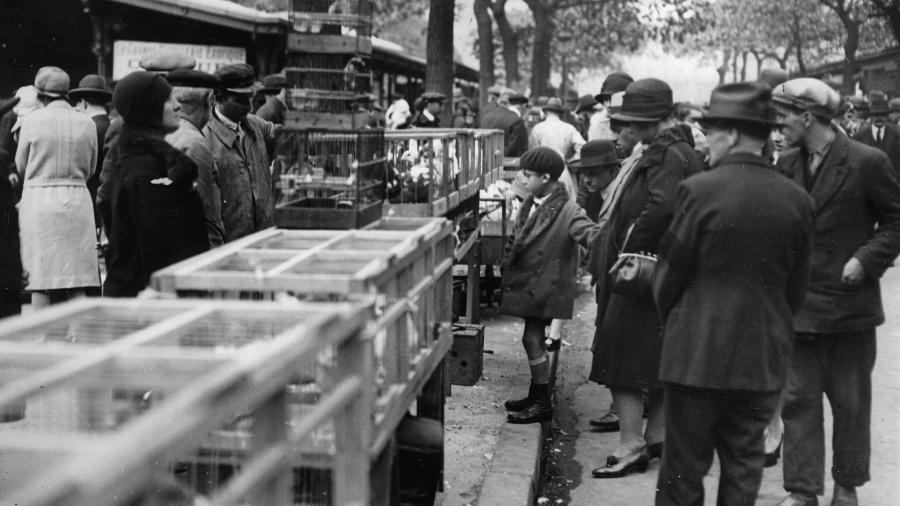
[[539, 266]]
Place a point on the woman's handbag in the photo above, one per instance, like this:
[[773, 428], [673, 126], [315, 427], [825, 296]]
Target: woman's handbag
[[632, 274]]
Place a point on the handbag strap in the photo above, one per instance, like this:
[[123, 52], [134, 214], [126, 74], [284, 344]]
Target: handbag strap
[[627, 237]]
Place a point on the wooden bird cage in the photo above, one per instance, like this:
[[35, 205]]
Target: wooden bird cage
[[329, 179], [144, 401]]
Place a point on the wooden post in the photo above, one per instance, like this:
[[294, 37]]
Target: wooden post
[[270, 428], [353, 427]]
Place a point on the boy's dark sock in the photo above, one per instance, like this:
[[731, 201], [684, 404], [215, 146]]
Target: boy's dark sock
[[540, 370]]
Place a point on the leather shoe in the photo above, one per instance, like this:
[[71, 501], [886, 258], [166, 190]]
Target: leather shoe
[[798, 499], [534, 413], [514, 405], [844, 496], [606, 423], [616, 468]]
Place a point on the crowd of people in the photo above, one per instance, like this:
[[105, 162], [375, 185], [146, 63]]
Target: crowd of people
[[736, 250]]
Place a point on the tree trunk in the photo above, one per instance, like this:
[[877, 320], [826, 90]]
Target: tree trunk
[[439, 54], [744, 66], [544, 28], [510, 40], [485, 49], [759, 61], [798, 45], [734, 66], [722, 69], [851, 44]]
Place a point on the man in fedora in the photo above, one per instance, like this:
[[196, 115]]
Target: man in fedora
[[881, 133], [192, 90], [274, 88], [242, 146], [555, 133], [894, 107], [432, 105], [596, 167], [725, 352], [599, 128], [91, 98], [857, 236]]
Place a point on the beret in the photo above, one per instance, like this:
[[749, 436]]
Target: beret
[[167, 61], [543, 160], [808, 94], [190, 78]]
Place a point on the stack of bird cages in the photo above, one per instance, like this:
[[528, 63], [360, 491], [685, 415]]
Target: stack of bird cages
[[489, 155], [186, 402], [329, 179], [430, 172], [327, 63], [406, 268]]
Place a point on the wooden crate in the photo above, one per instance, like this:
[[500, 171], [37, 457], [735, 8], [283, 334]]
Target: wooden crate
[[328, 178], [466, 356], [212, 382], [489, 155]]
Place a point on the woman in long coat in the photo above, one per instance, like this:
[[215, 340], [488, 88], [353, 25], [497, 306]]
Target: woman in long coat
[[56, 154], [628, 339], [157, 216]]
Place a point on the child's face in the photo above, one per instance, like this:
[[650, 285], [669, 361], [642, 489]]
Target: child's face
[[535, 182]]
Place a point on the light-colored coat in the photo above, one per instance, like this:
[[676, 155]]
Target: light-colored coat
[[57, 153]]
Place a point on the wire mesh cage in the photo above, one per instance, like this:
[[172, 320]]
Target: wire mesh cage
[[142, 402], [331, 26], [329, 179]]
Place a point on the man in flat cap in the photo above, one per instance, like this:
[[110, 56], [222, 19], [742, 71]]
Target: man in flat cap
[[192, 89], [726, 352], [432, 105], [881, 133], [509, 119], [242, 146], [857, 236], [274, 88]]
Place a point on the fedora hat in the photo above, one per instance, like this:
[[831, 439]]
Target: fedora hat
[[879, 106], [554, 105], [91, 84], [596, 155], [51, 81], [740, 103], [238, 78], [646, 101], [585, 103], [614, 83]]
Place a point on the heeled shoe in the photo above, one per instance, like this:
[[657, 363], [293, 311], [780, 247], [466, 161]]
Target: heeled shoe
[[609, 422], [653, 451], [616, 468]]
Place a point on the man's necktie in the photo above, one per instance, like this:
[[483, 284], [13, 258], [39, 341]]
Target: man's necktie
[[878, 136]]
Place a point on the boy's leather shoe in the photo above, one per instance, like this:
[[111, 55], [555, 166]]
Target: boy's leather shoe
[[535, 413], [844, 496]]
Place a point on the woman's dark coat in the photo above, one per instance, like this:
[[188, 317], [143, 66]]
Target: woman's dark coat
[[628, 338], [157, 216], [539, 260]]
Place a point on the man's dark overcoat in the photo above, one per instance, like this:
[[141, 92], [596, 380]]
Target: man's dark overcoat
[[732, 271], [628, 339], [515, 135], [856, 189], [890, 142]]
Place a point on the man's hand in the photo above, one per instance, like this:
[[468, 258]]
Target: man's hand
[[853, 272], [14, 180]]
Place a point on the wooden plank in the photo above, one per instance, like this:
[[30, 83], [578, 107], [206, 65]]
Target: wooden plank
[[330, 44], [353, 428], [304, 255]]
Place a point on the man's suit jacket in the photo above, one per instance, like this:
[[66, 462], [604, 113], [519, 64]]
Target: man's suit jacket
[[857, 214], [890, 142], [515, 133], [732, 271]]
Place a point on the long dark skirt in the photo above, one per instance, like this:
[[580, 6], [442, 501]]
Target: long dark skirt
[[627, 344]]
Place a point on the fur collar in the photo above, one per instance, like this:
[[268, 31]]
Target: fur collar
[[530, 225], [175, 165]]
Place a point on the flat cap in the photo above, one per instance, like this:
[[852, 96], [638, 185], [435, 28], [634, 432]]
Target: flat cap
[[274, 83], [808, 94], [167, 62], [238, 78], [51, 81], [433, 96], [614, 83], [190, 78]]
